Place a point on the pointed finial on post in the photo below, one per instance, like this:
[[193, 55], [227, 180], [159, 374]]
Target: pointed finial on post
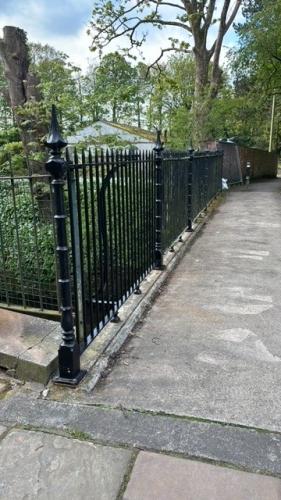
[[158, 144], [54, 140], [55, 165]]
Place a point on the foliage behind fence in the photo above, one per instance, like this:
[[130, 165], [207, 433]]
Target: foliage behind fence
[[27, 258]]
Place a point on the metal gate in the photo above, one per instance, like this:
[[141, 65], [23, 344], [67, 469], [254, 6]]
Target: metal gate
[[111, 207]]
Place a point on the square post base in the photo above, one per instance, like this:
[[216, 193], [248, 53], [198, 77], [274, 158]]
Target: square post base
[[71, 382], [69, 365]]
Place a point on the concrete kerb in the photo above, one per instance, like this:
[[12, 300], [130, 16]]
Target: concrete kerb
[[98, 356]]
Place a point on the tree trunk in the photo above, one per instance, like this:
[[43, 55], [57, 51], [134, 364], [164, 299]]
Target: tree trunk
[[23, 89], [114, 112], [202, 102], [138, 113]]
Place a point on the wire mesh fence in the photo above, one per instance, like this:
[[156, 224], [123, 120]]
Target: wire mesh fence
[[27, 245]]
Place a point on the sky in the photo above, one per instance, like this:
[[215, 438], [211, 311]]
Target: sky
[[63, 24]]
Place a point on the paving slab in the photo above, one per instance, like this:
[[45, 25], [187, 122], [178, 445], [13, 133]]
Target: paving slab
[[42, 466], [168, 478], [250, 449], [28, 345], [210, 346]]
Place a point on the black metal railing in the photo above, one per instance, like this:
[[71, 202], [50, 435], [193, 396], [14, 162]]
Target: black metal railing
[[190, 181], [111, 213], [87, 235], [175, 187], [206, 179]]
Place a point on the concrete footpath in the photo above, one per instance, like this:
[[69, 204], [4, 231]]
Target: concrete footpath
[[191, 407]]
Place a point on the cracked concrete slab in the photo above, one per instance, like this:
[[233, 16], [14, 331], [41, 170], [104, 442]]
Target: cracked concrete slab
[[28, 345], [54, 467]]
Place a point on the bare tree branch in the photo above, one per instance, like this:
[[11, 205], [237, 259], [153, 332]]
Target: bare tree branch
[[163, 51], [168, 4]]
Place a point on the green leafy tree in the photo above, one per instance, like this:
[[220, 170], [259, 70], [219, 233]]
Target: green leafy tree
[[130, 21], [171, 98], [59, 84], [114, 87], [257, 68]]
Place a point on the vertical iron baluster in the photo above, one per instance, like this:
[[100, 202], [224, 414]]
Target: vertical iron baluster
[[206, 182], [112, 273], [54, 239], [189, 190], [36, 246], [139, 212], [120, 224], [181, 194], [152, 209], [158, 201], [3, 267], [100, 297], [143, 202], [132, 221], [115, 222], [135, 223], [142, 195], [81, 239], [20, 266], [128, 239], [103, 239], [124, 225], [69, 352], [221, 171], [146, 211], [94, 239], [76, 253], [88, 266]]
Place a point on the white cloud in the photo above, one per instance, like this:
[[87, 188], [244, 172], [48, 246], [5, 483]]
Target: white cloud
[[31, 15]]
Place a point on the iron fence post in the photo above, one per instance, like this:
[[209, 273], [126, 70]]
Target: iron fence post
[[158, 257], [220, 171], [189, 190], [206, 179], [69, 351], [76, 254]]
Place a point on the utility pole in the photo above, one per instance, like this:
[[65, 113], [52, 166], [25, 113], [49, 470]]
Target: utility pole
[[272, 123]]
